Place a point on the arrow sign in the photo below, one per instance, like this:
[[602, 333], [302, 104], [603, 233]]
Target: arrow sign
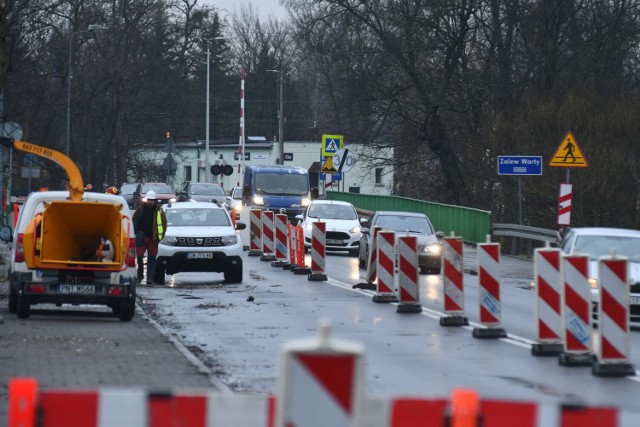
[[343, 160]]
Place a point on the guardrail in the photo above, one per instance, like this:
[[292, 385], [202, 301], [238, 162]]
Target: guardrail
[[526, 232]]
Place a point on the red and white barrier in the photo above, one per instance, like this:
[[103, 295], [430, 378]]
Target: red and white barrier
[[614, 350], [267, 236], [372, 261], [386, 268], [576, 311], [489, 291], [548, 284], [408, 274], [300, 266], [281, 240], [320, 382], [255, 227], [453, 282], [564, 204], [318, 251]]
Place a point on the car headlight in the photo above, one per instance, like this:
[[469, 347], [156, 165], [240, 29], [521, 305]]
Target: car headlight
[[169, 241], [309, 226], [593, 283], [434, 249], [172, 200], [355, 229], [229, 240], [258, 200], [305, 202]]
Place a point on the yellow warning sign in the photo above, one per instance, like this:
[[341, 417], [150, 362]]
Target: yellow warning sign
[[569, 154], [328, 167]]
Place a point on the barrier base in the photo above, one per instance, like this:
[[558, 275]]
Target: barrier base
[[267, 257], [365, 285], [571, 359], [385, 298], [547, 349], [280, 263], [289, 266], [254, 252], [409, 308], [454, 321], [613, 369], [317, 277], [489, 333], [301, 270]]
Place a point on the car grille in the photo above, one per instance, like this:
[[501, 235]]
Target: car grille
[[337, 235], [199, 241]]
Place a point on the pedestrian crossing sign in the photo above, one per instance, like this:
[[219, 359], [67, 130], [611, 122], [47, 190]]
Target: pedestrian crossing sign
[[569, 154], [331, 144]]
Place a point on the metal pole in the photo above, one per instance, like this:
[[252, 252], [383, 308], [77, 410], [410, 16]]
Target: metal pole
[[69, 94], [281, 122], [207, 168]]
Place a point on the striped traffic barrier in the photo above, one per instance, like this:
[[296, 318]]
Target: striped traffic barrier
[[318, 251], [489, 291], [255, 228], [453, 282], [372, 261], [613, 352], [408, 273], [386, 268], [548, 283], [291, 237], [576, 311], [281, 240], [320, 382], [300, 266], [267, 236]]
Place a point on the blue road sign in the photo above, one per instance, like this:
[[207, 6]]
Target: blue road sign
[[519, 165]]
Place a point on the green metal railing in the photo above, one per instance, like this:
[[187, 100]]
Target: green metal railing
[[472, 225]]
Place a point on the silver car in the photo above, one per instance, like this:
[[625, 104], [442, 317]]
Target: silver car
[[600, 242]]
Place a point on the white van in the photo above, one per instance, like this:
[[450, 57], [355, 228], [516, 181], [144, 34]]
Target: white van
[[85, 278]]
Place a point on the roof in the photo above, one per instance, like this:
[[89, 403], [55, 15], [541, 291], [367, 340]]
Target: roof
[[605, 231], [195, 205], [400, 213], [330, 202]]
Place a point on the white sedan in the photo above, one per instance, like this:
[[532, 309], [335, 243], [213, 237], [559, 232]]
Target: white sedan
[[342, 225]]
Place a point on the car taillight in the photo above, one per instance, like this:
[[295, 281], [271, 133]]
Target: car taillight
[[116, 291], [19, 249], [36, 288], [130, 259]]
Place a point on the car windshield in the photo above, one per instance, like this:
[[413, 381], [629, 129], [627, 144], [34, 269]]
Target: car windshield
[[197, 217], [282, 184], [128, 188], [413, 224], [237, 193], [159, 188], [598, 246], [207, 190], [329, 211]]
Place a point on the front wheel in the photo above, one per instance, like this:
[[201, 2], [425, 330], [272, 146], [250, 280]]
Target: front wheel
[[126, 310], [23, 307], [233, 273], [13, 299]]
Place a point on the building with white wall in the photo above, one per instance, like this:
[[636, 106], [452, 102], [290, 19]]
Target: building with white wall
[[188, 161]]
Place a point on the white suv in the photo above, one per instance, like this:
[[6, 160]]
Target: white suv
[[200, 237], [73, 282]]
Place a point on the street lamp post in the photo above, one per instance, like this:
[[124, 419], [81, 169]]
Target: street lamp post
[[92, 28], [280, 159], [207, 167]]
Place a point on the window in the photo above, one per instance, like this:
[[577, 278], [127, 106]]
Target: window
[[187, 173], [378, 176]]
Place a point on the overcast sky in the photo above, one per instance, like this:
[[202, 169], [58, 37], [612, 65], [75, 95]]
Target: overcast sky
[[265, 8]]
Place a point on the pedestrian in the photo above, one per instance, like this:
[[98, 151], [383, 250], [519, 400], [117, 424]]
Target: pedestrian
[[149, 219]]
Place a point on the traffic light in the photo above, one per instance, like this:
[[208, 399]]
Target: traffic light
[[222, 170]]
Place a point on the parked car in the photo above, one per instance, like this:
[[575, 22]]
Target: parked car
[[203, 192], [342, 225], [418, 224], [599, 242], [131, 191], [201, 238], [164, 192]]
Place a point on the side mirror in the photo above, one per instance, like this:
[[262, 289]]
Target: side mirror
[[240, 225], [363, 221], [440, 234], [300, 217], [365, 231]]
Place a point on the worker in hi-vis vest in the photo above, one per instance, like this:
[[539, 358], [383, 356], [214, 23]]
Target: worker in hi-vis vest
[[150, 224]]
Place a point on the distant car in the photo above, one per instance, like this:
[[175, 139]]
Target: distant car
[[599, 242], [236, 198], [131, 193], [342, 225], [418, 224], [164, 192], [200, 238], [203, 192]]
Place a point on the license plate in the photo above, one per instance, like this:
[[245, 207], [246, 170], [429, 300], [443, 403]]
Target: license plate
[[76, 289], [334, 242], [199, 255], [634, 300]]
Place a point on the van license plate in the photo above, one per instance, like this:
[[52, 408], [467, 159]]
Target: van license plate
[[200, 255], [635, 301], [76, 289]]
